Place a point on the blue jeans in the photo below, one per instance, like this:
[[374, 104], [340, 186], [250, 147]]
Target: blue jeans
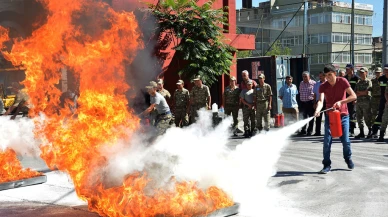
[[327, 141]]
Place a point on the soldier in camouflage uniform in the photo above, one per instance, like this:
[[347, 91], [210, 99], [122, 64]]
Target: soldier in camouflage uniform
[[376, 95], [199, 98], [159, 103], [262, 96], [246, 96], [363, 108], [231, 101], [163, 91], [181, 105]]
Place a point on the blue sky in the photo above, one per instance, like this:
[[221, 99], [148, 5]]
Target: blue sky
[[377, 17]]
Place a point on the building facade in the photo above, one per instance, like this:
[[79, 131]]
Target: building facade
[[328, 31]]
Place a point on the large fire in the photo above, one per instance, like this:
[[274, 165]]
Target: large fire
[[10, 168], [72, 142]]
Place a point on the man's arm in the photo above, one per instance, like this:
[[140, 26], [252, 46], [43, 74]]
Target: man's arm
[[209, 99], [270, 103], [148, 110], [386, 97], [319, 104], [281, 93]]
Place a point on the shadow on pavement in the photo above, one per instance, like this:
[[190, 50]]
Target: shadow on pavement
[[292, 173], [346, 170]]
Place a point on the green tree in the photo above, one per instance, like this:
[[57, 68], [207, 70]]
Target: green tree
[[244, 53], [197, 34], [277, 50]]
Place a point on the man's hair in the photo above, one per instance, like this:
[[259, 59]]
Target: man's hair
[[306, 73], [245, 72], [329, 68], [321, 72], [288, 76]]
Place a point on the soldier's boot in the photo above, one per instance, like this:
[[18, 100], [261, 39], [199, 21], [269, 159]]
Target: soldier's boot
[[361, 135], [370, 132], [381, 138], [247, 133]]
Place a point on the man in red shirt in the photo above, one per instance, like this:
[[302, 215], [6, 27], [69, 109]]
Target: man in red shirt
[[334, 92]]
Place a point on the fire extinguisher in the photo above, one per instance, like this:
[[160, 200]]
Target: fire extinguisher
[[335, 123]]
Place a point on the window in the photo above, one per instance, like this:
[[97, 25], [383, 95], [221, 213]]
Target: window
[[337, 38], [367, 58], [314, 59], [324, 18], [346, 57], [313, 19], [359, 58], [322, 58], [368, 21], [336, 57], [324, 38], [337, 18], [347, 19], [346, 38], [313, 39]]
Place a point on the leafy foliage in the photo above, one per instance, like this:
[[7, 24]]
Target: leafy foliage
[[244, 54], [277, 50], [197, 34]]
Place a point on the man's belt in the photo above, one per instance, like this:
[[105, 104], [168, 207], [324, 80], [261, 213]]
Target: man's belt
[[166, 113]]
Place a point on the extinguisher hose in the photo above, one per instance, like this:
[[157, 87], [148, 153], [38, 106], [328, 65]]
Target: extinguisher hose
[[326, 110]]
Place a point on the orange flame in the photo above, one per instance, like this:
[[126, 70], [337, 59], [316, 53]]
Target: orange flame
[[73, 141], [11, 169]]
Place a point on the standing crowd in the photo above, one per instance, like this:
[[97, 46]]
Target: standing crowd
[[255, 99], [368, 111]]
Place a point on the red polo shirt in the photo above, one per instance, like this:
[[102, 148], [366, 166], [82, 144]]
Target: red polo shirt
[[335, 93]]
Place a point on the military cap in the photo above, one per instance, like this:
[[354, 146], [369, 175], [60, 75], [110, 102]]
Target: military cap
[[261, 76], [378, 70], [349, 66], [153, 84], [232, 78], [179, 82], [249, 81], [363, 69], [160, 81], [197, 78], [386, 66]]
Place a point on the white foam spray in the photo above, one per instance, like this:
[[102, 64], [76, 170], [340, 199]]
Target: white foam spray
[[18, 135], [201, 153]]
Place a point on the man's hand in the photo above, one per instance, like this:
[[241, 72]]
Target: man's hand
[[317, 113], [269, 107], [337, 105]]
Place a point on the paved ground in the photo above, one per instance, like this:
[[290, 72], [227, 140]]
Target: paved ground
[[361, 192]]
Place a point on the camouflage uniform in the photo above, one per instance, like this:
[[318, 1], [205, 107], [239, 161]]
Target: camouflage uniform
[[363, 108], [248, 113], [262, 94], [375, 101], [232, 104], [199, 97], [163, 123], [384, 120], [165, 94], [181, 99]]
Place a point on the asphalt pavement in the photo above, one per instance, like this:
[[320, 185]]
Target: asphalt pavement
[[361, 192]]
